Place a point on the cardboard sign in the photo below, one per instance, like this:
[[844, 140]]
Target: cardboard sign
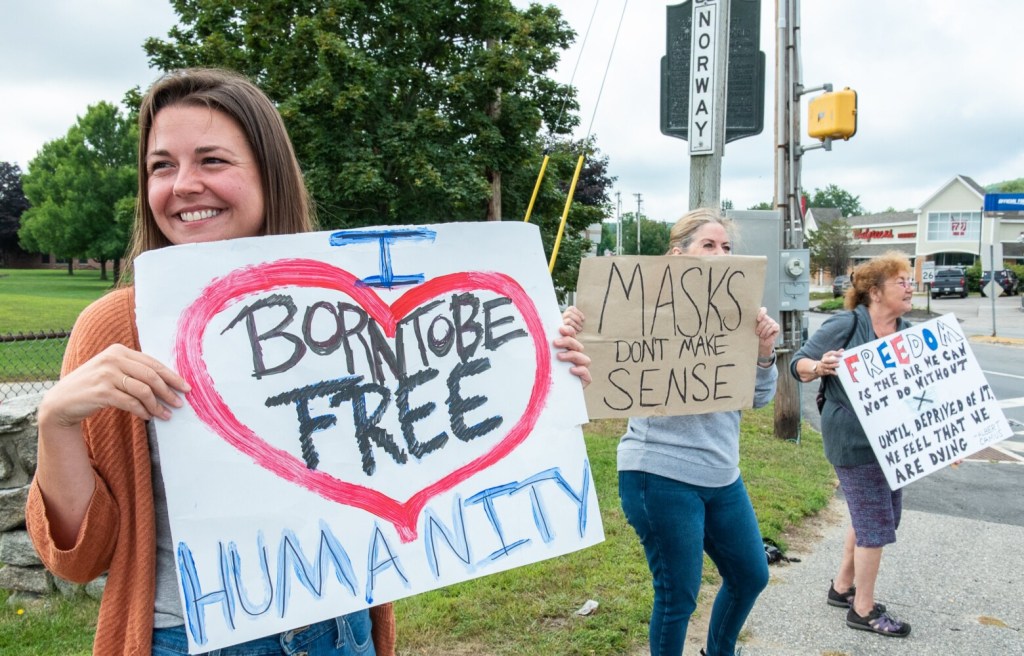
[[373, 414], [670, 335], [922, 399]]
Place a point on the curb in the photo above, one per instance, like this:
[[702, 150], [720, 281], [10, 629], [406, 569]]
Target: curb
[[1004, 341]]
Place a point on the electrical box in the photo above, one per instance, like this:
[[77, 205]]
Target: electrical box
[[794, 279], [833, 115]]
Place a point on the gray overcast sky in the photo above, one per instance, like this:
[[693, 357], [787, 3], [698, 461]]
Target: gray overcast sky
[[939, 91]]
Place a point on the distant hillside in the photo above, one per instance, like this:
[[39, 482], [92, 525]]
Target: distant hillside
[[1007, 187]]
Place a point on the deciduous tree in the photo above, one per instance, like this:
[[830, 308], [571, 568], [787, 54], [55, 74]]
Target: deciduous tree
[[590, 203], [654, 236], [833, 196], [403, 111], [75, 184], [391, 105], [831, 246], [1008, 187]]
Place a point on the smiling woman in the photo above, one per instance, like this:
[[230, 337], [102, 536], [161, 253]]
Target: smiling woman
[[201, 174], [216, 163]]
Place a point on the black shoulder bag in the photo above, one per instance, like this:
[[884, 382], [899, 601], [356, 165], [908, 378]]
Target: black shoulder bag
[[820, 398]]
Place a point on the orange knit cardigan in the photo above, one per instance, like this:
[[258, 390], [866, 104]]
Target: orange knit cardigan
[[118, 535]]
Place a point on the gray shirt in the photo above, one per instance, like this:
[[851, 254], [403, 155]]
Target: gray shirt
[[167, 610], [700, 450]]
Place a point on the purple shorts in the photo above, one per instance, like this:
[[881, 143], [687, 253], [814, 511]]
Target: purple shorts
[[874, 509]]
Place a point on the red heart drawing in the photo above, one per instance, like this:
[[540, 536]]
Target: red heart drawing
[[212, 410]]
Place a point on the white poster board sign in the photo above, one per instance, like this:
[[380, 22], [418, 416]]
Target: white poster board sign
[[373, 414], [922, 399]]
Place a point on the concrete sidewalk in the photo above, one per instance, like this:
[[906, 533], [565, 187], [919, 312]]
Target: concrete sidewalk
[[956, 580]]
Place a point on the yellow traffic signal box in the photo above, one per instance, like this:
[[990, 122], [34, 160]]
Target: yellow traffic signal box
[[833, 115]]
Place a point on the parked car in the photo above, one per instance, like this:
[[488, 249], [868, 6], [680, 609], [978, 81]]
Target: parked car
[[1006, 278], [951, 281], [840, 285]]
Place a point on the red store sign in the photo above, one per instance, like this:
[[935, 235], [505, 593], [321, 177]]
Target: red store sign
[[868, 235]]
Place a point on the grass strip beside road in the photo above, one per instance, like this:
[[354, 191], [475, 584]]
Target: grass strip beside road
[[531, 610]]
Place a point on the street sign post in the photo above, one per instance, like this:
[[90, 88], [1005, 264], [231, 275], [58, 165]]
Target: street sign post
[[928, 277], [928, 273]]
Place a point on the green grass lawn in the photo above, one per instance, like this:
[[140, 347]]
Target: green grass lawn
[[41, 300], [46, 299], [51, 627]]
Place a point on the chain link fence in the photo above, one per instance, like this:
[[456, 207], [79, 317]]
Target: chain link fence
[[30, 362]]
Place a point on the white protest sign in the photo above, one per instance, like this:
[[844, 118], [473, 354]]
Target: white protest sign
[[922, 399], [373, 414]]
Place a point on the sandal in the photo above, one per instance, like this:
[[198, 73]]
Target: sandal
[[878, 621], [840, 599]]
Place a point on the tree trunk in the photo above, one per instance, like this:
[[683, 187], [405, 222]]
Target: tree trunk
[[494, 204], [493, 112]]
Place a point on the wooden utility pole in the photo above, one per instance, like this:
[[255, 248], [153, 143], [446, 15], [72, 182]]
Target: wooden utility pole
[[639, 199], [618, 223], [787, 201]]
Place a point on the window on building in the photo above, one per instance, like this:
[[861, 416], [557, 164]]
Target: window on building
[[954, 226], [955, 259]]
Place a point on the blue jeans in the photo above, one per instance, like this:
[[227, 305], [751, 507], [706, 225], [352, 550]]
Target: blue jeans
[[348, 635], [677, 523]]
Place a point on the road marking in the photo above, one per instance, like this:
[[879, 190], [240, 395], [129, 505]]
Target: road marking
[[1012, 403], [999, 373]]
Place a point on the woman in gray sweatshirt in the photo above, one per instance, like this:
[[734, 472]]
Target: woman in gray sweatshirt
[[681, 490]]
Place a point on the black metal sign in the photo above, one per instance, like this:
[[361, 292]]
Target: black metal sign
[[744, 116]]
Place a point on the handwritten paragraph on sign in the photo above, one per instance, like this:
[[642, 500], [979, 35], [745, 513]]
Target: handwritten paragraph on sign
[[922, 399], [670, 335], [373, 414]]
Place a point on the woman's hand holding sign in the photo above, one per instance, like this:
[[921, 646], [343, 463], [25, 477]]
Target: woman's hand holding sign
[[767, 330], [808, 370], [118, 377], [572, 349]]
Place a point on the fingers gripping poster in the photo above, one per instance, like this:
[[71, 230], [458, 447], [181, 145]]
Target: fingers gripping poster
[[373, 414], [670, 335], [922, 399]]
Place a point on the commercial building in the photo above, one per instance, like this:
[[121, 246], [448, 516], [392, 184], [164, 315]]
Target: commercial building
[[949, 228]]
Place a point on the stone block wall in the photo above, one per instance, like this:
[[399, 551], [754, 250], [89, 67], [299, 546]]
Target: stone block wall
[[21, 571]]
